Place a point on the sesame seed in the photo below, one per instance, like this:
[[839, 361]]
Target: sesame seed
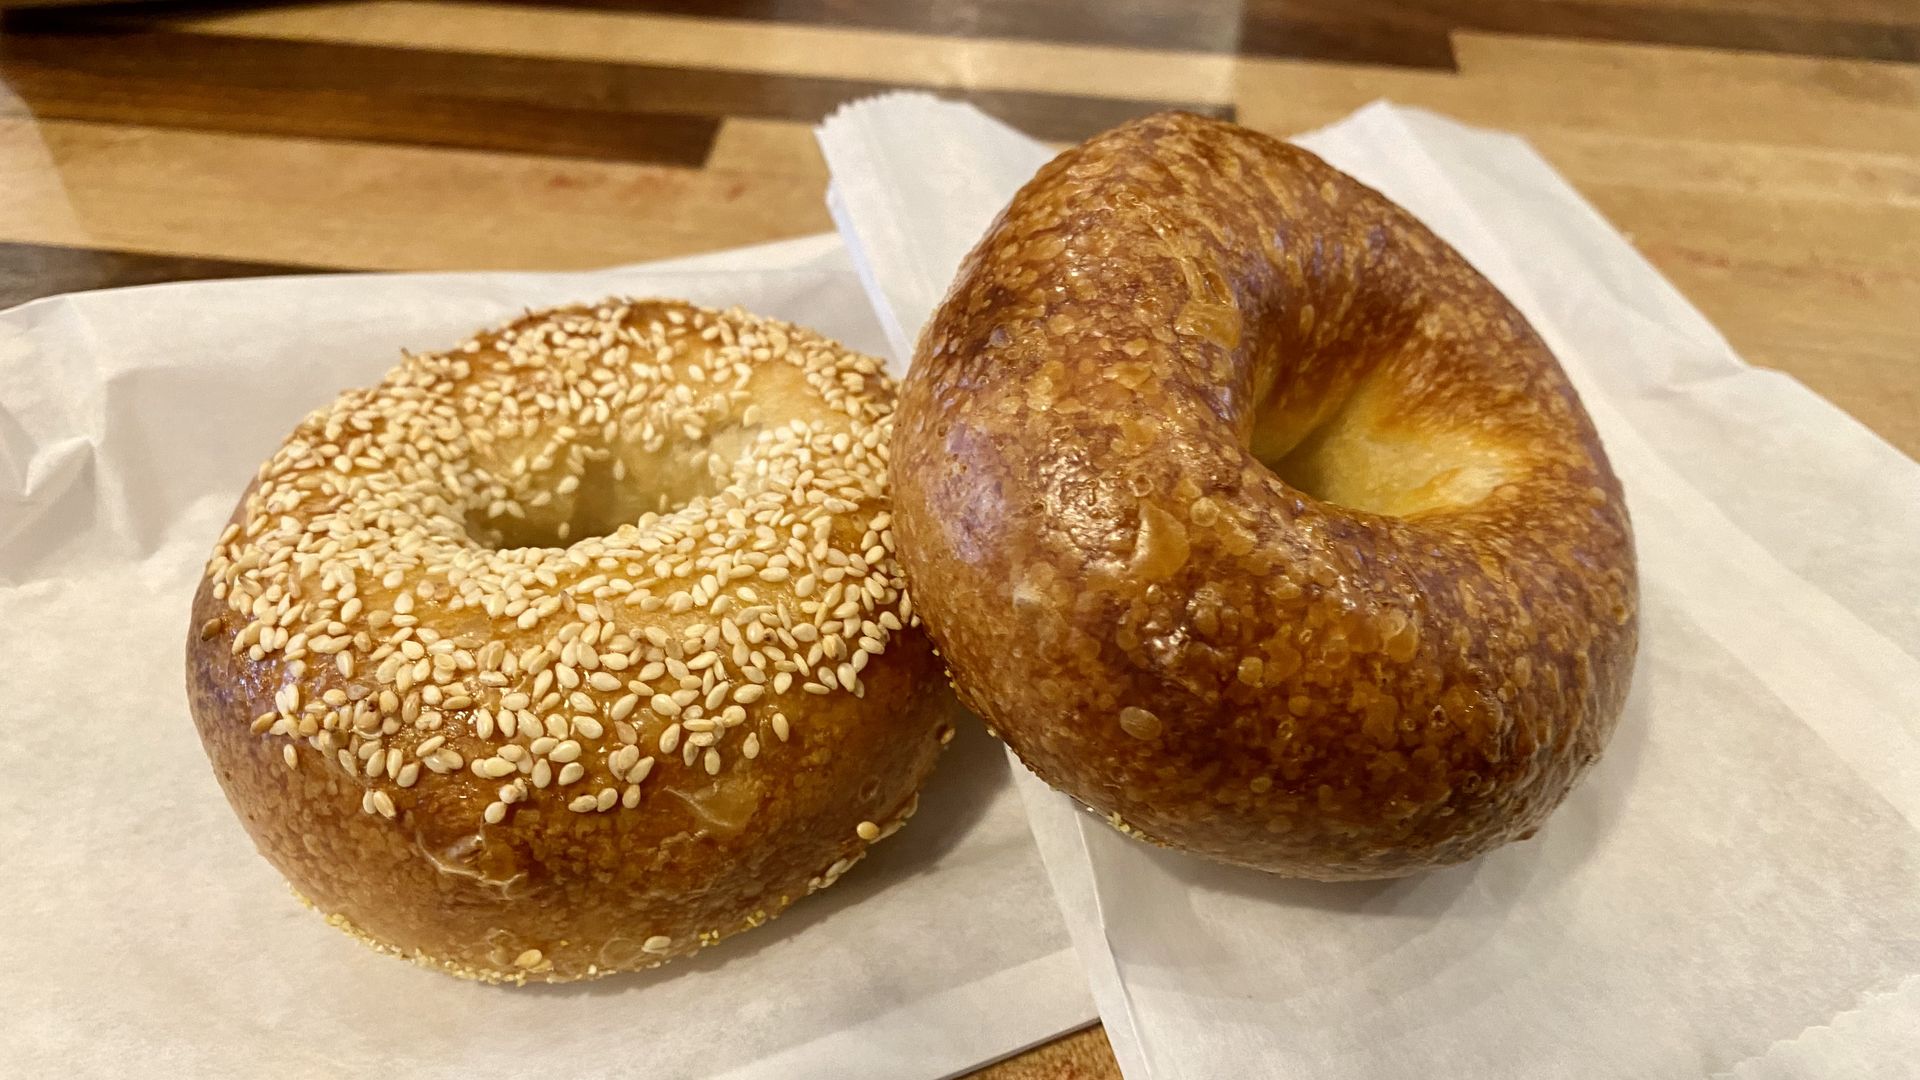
[[586, 602], [867, 830]]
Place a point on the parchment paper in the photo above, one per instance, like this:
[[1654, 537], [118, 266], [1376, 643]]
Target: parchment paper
[[140, 935], [1735, 890]]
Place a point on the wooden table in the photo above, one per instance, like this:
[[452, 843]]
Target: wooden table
[[1765, 154]]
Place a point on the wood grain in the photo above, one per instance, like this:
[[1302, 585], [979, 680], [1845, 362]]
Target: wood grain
[[30, 271], [369, 206], [587, 93], [170, 81], [1399, 32], [766, 48], [1763, 154], [1083, 1055]]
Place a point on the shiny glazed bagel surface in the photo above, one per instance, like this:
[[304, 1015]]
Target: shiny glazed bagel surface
[[1254, 518], [574, 648]]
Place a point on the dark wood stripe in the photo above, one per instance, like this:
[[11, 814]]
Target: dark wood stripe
[[1320, 28], [317, 88], [1685, 26], [1411, 33], [233, 85], [30, 271]]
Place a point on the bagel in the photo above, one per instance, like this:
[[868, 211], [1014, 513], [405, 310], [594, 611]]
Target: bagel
[[574, 648], [1251, 516]]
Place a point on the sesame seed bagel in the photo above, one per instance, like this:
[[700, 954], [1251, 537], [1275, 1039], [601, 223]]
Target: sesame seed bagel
[[574, 648], [1254, 518]]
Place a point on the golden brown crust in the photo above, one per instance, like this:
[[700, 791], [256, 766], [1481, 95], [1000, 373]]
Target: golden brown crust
[[597, 862], [1254, 518]]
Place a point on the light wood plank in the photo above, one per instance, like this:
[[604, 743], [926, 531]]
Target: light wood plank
[[1505, 81], [1794, 172], [777, 147], [1882, 393], [1528, 84], [1812, 237], [906, 59], [1703, 73], [376, 207], [1874, 12]]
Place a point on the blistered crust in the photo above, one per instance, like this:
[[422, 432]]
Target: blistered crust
[[1102, 464]]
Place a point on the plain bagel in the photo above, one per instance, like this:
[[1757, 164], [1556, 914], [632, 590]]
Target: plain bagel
[[1253, 517]]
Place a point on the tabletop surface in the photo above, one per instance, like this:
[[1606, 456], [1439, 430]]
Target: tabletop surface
[[1764, 154]]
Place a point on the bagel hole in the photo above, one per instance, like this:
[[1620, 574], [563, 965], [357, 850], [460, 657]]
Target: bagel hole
[[1361, 456], [659, 483]]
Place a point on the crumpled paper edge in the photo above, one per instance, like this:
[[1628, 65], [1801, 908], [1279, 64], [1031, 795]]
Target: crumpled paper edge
[[1890, 1018]]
